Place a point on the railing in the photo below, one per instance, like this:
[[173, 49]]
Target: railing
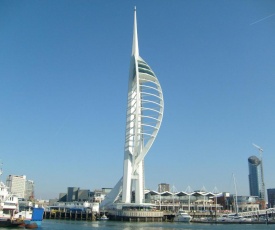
[[133, 213]]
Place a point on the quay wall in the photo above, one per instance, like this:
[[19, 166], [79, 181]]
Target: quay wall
[[63, 215], [136, 216], [132, 216]]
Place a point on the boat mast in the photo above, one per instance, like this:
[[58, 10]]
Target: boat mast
[[236, 202], [1, 170], [188, 191]]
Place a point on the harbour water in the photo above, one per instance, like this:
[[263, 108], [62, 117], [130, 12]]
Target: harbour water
[[117, 225]]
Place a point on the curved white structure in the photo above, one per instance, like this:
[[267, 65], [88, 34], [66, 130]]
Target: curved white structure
[[144, 117]]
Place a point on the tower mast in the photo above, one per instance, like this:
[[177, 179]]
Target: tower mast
[[145, 107]]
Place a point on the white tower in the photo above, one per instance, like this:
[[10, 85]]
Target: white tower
[[144, 116]]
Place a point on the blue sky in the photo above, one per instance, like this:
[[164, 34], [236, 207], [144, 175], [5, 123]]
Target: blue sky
[[63, 90]]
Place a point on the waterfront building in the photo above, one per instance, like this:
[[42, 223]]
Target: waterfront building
[[53, 201], [256, 183], [75, 194], [76, 199], [226, 201], [62, 197], [21, 187], [163, 187], [72, 194], [245, 203], [271, 197], [100, 194], [17, 185], [233, 203], [29, 194], [144, 116], [83, 195], [199, 201]]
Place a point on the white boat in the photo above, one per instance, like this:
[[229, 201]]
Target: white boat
[[31, 216], [10, 215], [233, 218], [104, 217], [8, 208], [8, 203], [182, 216]]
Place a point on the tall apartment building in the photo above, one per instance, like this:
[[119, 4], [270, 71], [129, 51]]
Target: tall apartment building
[[17, 185], [20, 186], [163, 187], [29, 191], [256, 183]]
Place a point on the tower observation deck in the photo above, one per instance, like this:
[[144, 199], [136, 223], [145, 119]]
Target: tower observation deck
[[145, 107]]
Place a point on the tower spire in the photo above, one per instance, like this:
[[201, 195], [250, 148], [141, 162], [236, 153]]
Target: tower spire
[[135, 50], [144, 116]]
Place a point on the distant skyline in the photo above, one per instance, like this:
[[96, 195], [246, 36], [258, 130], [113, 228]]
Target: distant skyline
[[63, 91]]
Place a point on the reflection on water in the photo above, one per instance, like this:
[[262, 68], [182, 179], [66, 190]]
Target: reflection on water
[[116, 225]]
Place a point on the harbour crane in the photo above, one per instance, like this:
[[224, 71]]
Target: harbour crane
[[262, 170]]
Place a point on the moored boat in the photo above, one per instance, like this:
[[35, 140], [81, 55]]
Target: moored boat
[[34, 217], [182, 216], [8, 206], [11, 223], [31, 226], [233, 218], [103, 217], [10, 215]]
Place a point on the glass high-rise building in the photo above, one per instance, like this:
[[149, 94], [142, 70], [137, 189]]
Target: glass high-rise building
[[256, 181]]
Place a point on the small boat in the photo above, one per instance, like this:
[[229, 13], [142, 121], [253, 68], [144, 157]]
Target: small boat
[[182, 216], [233, 218], [31, 225], [10, 223], [10, 216], [35, 219], [8, 207], [104, 217]]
